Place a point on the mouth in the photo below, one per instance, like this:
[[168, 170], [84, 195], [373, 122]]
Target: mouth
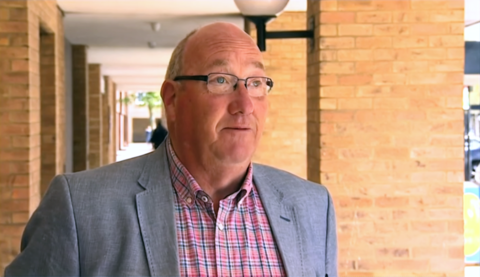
[[237, 128]]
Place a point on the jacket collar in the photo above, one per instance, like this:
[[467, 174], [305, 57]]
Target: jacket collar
[[155, 209]]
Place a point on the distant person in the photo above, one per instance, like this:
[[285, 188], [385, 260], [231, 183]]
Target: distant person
[[148, 133], [158, 135]]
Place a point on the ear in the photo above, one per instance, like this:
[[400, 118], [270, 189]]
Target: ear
[[169, 94]]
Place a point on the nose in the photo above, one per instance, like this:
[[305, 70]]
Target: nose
[[242, 102]]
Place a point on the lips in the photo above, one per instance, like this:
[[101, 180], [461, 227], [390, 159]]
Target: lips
[[238, 128]]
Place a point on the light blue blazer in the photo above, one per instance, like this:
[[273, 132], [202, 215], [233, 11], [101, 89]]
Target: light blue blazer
[[119, 220]]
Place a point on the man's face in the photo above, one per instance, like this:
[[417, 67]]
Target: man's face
[[222, 128]]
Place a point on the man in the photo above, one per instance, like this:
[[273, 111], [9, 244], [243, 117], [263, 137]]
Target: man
[[159, 135], [196, 206]]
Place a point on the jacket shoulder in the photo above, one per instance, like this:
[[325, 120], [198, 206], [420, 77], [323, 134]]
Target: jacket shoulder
[[288, 183]]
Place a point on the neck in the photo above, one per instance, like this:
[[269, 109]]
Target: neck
[[217, 179]]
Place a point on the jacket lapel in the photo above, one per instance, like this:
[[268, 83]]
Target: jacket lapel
[[281, 216], [155, 209]]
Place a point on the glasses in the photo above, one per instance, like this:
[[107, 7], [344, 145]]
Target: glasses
[[224, 83]]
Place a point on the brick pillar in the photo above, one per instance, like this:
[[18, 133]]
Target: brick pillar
[[283, 144], [108, 110], [20, 114], [80, 107], [52, 108], [95, 115], [385, 127]]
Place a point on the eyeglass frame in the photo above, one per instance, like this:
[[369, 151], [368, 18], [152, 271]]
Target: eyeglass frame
[[204, 78]]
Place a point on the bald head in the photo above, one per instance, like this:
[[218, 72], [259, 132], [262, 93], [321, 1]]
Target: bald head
[[211, 41], [218, 34]]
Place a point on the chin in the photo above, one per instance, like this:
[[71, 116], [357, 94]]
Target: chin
[[236, 155]]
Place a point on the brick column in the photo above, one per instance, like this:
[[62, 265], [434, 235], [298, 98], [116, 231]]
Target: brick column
[[386, 132], [283, 144], [108, 110], [52, 107], [95, 115], [21, 113], [80, 107]]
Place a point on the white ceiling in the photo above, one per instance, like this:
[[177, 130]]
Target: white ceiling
[[118, 31]]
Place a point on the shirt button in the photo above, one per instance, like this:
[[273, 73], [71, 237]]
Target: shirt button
[[205, 199], [220, 226], [189, 200]]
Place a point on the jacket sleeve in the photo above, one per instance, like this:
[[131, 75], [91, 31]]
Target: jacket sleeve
[[331, 263], [49, 244]]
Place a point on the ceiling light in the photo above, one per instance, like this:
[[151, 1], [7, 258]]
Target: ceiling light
[[152, 44], [156, 26]]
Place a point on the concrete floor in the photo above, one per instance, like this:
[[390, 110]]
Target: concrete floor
[[134, 150]]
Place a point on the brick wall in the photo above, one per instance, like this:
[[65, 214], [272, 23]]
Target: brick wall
[[283, 144], [385, 127], [95, 131], [80, 107], [21, 114]]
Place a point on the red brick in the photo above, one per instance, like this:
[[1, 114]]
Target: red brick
[[447, 16], [410, 42], [374, 17], [353, 202], [411, 66], [355, 79], [329, 68], [18, 14], [394, 252], [373, 91], [337, 17], [435, 78], [391, 5], [337, 43], [327, 30], [385, 202], [373, 67], [456, 53], [373, 42], [354, 104], [446, 41], [429, 29], [411, 16], [436, 4], [354, 55], [390, 103], [14, 52], [354, 5], [389, 79], [391, 54], [391, 30], [446, 66], [337, 91], [13, 27], [355, 29]]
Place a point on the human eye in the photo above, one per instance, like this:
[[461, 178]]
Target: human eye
[[256, 82], [219, 80]]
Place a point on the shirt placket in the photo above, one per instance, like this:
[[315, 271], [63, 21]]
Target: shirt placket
[[221, 238]]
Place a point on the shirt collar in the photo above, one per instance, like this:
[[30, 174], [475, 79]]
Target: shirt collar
[[186, 186]]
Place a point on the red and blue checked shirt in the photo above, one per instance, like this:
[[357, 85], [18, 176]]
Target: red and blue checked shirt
[[237, 241]]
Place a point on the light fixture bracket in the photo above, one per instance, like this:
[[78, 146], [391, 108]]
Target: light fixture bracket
[[261, 21]]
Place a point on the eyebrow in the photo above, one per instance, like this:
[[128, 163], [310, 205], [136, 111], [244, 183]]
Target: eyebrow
[[223, 62]]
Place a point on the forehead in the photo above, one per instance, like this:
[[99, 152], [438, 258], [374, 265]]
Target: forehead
[[227, 63]]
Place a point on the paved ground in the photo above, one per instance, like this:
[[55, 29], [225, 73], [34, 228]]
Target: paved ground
[[134, 150]]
